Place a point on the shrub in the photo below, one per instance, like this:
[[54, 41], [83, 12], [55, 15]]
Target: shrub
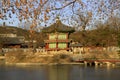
[[61, 58]]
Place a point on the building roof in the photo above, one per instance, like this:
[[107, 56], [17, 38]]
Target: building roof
[[76, 45], [58, 27], [12, 40], [42, 44]]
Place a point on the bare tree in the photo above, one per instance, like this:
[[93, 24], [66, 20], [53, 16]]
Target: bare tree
[[38, 11]]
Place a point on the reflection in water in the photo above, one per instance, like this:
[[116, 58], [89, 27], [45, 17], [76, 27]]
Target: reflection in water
[[27, 73], [58, 72], [61, 72]]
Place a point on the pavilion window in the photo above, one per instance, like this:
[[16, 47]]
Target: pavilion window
[[52, 45], [62, 45], [62, 36], [52, 37]]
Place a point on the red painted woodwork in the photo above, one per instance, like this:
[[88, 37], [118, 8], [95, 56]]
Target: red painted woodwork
[[56, 41]]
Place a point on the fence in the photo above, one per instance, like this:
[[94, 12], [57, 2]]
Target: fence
[[22, 49], [75, 50]]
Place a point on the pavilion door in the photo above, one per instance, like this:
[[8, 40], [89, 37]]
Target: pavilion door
[[52, 45], [62, 45]]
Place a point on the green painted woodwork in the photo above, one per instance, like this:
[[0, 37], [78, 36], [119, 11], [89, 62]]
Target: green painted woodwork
[[52, 45], [58, 36], [62, 45], [52, 36], [62, 36]]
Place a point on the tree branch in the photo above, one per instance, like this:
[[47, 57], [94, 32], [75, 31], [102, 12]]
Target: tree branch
[[65, 5]]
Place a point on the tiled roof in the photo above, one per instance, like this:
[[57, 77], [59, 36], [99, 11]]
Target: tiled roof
[[13, 40], [76, 45], [58, 27]]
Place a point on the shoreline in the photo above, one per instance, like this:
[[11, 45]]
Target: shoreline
[[55, 64], [41, 64]]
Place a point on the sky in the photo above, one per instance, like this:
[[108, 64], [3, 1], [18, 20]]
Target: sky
[[65, 14]]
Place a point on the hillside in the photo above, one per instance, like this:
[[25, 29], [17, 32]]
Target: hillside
[[16, 30], [96, 37], [39, 37]]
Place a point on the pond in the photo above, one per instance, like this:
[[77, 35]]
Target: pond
[[59, 72]]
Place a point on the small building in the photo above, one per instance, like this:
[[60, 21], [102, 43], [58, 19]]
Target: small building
[[13, 43], [58, 36], [76, 48], [11, 40]]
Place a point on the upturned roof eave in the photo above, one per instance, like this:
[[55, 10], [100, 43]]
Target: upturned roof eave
[[58, 27]]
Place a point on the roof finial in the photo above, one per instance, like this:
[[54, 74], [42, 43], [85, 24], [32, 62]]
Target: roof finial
[[57, 18]]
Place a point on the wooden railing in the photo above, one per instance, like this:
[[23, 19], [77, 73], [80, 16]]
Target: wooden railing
[[65, 40]]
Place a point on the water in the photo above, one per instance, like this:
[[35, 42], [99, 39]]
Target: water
[[61, 72]]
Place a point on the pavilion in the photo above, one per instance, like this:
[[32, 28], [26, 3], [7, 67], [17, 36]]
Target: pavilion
[[58, 36]]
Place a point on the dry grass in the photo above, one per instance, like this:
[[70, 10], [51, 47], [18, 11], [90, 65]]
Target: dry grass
[[60, 57], [102, 55], [19, 57]]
